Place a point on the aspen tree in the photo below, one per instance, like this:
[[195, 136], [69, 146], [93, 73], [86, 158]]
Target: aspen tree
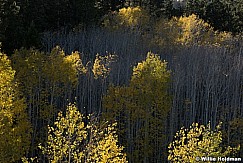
[[141, 108], [14, 124], [72, 139], [196, 142], [47, 81]]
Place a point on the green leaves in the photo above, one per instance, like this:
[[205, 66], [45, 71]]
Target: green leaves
[[223, 15]]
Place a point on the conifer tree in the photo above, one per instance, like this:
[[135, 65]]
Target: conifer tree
[[223, 15]]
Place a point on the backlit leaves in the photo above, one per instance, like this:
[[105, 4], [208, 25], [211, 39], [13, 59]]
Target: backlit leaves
[[130, 17], [101, 67], [14, 125], [188, 30], [73, 140], [141, 108], [198, 141], [45, 80]]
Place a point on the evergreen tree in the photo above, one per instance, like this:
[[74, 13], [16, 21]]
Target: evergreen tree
[[155, 7], [223, 15], [197, 7], [10, 26]]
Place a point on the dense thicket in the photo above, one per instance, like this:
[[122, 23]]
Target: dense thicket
[[14, 124], [193, 144], [224, 15], [206, 80], [141, 109], [105, 64], [73, 140], [47, 81], [23, 22]]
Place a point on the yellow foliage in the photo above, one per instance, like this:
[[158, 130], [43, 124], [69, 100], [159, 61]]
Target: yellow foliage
[[46, 80], [166, 32], [42, 76], [14, 125], [196, 142], [141, 108], [28, 65], [59, 68], [66, 136], [235, 133], [70, 140], [194, 30], [75, 62], [222, 38], [101, 67], [187, 30], [133, 16], [130, 17], [103, 146], [152, 69]]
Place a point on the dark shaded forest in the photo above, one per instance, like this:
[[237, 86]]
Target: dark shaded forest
[[121, 81]]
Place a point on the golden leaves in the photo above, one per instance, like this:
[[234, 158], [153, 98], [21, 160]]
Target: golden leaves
[[188, 30], [130, 17], [65, 136], [14, 125], [71, 139], [133, 16], [45, 77], [151, 69], [101, 67], [141, 106], [198, 141]]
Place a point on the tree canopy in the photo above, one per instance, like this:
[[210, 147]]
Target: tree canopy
[[73, 140], [197, 142], [14, 125]]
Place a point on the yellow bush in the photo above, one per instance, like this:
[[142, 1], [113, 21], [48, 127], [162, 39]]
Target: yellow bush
[[191, 145], [130, 17], [188, 30], [222, 38], [194, 30]]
